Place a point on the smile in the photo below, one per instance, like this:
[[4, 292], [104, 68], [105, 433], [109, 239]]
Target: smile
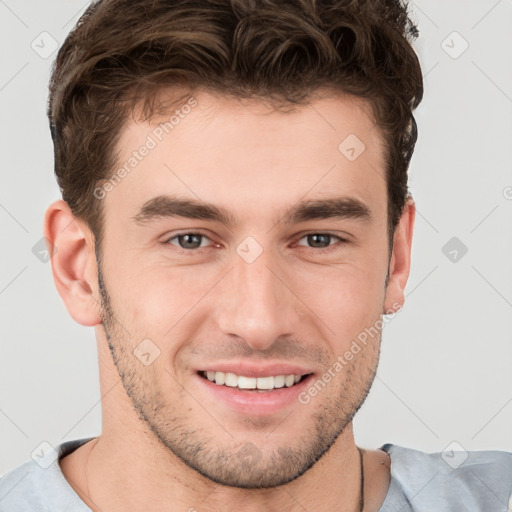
[[252, 383]]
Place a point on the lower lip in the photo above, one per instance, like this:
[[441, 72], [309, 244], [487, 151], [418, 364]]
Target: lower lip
[[256, 402]]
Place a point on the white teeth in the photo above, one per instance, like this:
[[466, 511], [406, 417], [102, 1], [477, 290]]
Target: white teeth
[[247, 382], [279, 381], [289, 380], [232, 380], [265, 382]]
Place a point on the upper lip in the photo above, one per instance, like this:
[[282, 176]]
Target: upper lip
[[256, 369]]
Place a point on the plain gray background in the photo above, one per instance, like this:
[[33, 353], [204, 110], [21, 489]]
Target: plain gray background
[[445, 372]]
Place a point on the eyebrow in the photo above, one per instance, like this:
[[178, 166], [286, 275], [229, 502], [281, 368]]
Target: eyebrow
[[318, 209]]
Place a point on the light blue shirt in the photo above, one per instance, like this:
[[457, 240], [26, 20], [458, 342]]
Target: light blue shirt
[[420, 482]]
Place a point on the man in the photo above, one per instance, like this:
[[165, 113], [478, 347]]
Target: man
[[235, 223]]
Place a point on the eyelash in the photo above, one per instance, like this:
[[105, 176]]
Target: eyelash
[[341, 241]]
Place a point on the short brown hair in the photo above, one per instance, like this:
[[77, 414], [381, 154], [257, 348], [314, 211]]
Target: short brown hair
[[122, 52]]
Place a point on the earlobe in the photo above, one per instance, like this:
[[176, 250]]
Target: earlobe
[[400, 263], [71, 246]]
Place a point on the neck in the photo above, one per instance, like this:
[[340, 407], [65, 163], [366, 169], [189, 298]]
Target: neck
[[122, 473]]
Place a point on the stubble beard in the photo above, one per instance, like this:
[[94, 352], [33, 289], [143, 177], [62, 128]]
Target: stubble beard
[[238, 462]]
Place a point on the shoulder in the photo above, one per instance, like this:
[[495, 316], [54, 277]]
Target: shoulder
[[39, 485], [478, 480], [20, 489]]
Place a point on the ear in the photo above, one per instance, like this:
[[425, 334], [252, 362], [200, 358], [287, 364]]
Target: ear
[[71, 247], [400, 262]]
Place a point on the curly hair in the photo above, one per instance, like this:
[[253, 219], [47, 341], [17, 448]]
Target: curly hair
[[122, 53]]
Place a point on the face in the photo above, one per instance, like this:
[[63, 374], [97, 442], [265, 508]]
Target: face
[[243, 254]]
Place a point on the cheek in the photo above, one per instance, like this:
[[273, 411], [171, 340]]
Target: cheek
[[346, 298], [160, 298]]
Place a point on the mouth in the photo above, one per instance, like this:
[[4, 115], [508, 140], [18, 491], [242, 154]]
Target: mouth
[[257, 390], [253, 384]]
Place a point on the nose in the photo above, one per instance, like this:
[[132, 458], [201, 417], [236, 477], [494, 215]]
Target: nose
[[257, 303]]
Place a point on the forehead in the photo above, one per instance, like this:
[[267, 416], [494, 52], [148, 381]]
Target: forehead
[[245, 155]]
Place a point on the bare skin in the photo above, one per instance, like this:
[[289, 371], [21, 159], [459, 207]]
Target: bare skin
[[169, 441], [377, 477]]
